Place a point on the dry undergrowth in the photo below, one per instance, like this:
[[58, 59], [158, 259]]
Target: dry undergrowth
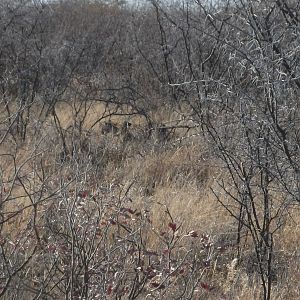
[[155, 175]]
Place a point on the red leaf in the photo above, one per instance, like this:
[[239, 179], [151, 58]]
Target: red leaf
[[131, 211], [131, 250], [157, 284], [83, 194], [166, 251], [193, 234], [111, 221], [173, 226], [109, 290], [206, 286]]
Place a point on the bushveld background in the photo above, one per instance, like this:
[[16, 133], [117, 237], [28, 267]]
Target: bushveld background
[[149, 151]]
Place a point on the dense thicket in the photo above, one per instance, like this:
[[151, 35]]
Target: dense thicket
[[231, 68]]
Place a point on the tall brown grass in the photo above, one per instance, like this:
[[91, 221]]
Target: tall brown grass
[[179, 176]]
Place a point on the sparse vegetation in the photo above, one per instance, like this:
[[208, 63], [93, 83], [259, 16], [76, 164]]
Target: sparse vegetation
[[151, 151]]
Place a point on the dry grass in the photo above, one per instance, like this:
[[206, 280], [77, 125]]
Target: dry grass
[[176, 176]]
